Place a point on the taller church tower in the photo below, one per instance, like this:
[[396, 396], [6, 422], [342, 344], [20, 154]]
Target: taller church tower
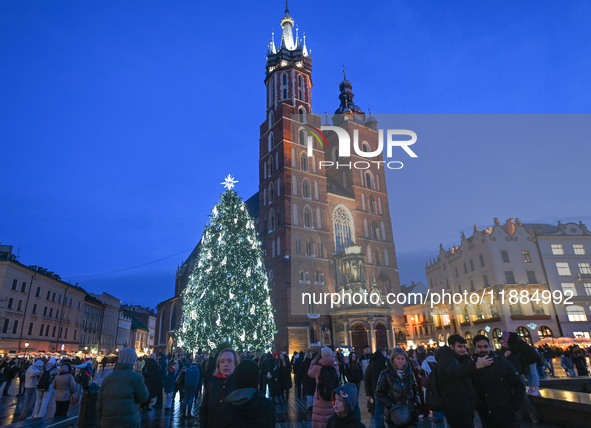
[[324, 230]]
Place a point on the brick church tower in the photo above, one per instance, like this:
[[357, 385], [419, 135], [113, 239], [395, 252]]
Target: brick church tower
[[323, 229]]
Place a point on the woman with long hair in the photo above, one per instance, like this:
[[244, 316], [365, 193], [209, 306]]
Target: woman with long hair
[[284, 376]]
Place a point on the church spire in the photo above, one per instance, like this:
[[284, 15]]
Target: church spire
[[287, 41]]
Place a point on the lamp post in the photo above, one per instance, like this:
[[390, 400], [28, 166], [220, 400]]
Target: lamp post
[[26, 347]]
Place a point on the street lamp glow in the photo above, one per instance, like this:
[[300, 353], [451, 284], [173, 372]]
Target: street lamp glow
[[26, 344]]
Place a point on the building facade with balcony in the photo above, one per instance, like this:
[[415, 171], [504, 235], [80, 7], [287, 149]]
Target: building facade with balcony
[[491, 271], [38, 311], [566, 253]]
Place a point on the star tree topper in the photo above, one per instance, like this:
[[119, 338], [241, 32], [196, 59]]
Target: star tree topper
[[229, 182]]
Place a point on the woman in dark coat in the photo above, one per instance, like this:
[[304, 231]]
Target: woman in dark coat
[[272, 375], [397, 385], [284, 376], [308, 383], [218, 388], [353, 371]]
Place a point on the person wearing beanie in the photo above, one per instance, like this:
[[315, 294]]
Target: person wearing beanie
[[44, 394], [31, 378], [64, 386], [324, 363], [346, 411], [121, 393], [246, 407]]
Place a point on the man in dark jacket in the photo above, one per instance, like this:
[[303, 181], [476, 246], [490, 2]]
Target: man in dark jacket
[[246, 406], [377, 362], [150, 373], [500, 390], [454, 375], [162, 365]]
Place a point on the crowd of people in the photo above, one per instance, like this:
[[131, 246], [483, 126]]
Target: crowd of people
[[228, 389], [39, 377]]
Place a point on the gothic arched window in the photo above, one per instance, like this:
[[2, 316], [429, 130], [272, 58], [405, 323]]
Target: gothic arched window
[[306, 188], [302, 114], [309, 248], [270, 141], [271, 220], [308, 217], [302, 137], [173, 318], [271, 192], [298, 244], [372, 204], [343, 228], [369, 180], [285, 79], [284, 93], [304, 161], [271, 118]]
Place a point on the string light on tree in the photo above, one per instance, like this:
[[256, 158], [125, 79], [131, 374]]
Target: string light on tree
[[227, 300]]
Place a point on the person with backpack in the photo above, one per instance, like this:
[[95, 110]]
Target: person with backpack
[[429, 366], [500, 389], [191, 383], [397, 391], [85, 373], [246, 406], [325, 370], [346, 411], [64, 386], [44, 388], [454, 373], [31, 379]]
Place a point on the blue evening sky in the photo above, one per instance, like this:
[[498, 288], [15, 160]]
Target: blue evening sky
[[119, 119]]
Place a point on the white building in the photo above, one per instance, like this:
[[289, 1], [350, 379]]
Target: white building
[[110, 322], [565, 251], [486, 269], [123, 330]]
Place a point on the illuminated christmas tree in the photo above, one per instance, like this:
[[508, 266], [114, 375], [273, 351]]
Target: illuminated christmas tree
[[227, 301]]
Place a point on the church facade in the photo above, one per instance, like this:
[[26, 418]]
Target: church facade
[[324, 229]]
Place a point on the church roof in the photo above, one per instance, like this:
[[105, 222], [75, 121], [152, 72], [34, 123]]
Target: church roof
[[252, 205], [335, 188]]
